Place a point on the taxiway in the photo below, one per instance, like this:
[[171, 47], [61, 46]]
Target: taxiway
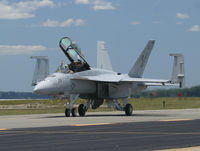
[[145, 130]]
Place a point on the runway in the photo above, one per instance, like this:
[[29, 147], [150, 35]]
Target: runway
[[146, 130]]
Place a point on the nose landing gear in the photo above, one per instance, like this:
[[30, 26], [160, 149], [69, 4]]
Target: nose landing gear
[[70, 109], [74, 112], [68, 112]]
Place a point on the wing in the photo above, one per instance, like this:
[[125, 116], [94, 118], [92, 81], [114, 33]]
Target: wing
[[118, 78], [99, 78]]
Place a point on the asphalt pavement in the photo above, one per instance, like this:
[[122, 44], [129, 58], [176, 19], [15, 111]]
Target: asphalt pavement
[[105, 136]]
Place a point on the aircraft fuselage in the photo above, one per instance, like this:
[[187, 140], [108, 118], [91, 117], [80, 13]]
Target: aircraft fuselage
[[66, 83]]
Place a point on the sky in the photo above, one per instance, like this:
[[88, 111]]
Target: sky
[[34, 28]]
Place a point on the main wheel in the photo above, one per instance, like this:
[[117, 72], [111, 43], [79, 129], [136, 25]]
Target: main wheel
[[67, 112], [81, 110], [128, 109], [74, 112]]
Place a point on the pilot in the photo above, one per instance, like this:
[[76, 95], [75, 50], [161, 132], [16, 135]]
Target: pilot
[[62, 66], [79, 64], [67, 70]]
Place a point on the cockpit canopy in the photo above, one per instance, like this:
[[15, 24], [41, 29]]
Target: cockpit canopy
[[73, 53]]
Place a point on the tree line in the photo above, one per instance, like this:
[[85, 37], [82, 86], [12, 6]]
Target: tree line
[[186, 92]]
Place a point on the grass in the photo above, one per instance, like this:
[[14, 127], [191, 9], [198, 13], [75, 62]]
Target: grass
[[58, 106], [170, 103]]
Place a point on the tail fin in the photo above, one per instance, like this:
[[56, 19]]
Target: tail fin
[[178, 74], [41, 69], [138, 69], [103, 59]]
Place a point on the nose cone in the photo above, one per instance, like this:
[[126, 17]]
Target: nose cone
[[44, 87]]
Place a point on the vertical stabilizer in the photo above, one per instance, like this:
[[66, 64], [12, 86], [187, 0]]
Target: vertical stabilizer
[[138, 68], [103, 59], [41, 69], [178, 73]]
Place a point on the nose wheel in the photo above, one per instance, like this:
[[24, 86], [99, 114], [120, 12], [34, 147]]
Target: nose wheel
[[74, 112], [68, 112]]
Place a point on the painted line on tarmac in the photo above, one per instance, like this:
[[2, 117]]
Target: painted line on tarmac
[[11, 132], [96, 124], [4, 129], [27, 132], [176, 120], [197, 148]]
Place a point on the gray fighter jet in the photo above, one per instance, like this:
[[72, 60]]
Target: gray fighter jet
[[96, 85]]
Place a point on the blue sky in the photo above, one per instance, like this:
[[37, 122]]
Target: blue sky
[[34, 27]]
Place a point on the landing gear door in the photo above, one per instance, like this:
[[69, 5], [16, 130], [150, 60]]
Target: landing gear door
[[73, 53], [103, 90]]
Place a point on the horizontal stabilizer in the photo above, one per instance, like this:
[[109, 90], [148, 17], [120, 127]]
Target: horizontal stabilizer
[[160, 84], [41, 69]]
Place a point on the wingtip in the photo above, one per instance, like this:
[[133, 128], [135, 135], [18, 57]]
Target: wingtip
[[152, 41]]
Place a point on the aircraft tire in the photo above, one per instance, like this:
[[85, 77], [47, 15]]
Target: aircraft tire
[[128, 109], [74, 112], [81, 110], [67, 112]]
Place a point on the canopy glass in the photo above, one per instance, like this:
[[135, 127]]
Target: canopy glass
[[73, 53]]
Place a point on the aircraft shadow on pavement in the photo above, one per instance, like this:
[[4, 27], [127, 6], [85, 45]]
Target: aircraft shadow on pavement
[[113, 115], [151, 115]]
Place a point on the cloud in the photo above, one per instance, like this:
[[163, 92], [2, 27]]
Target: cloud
[[182, 16], [97, 4], [22, 9], [79, 22], [135, 22], [67, 23], [20, 49], [195, 28], [82, 2], [50, 23], [102, 5]]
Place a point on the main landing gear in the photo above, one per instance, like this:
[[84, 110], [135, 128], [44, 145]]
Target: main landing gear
[[81, 110], [128, 108]]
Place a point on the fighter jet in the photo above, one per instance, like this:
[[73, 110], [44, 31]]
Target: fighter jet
[[96, 85]]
